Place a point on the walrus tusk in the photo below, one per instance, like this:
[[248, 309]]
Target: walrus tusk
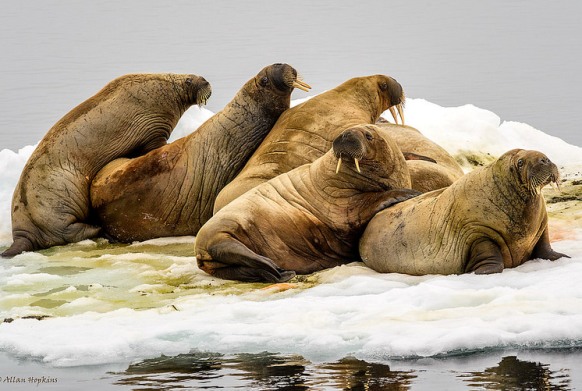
[[401, 112], [301, 85], [339, 163], [357, 164], [393, 112]]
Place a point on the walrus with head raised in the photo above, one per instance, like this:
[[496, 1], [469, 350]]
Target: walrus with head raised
[[306, 131], [431, 167], [171, 190], [490, 219], [131, 115], [309, 218]]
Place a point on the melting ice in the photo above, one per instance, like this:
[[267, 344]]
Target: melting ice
[[102, 303]]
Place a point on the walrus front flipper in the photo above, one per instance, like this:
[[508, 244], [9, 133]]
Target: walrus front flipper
[[238, 262], [19, 245], [485, 258], [544, 250], [415, 156], [395, 196]]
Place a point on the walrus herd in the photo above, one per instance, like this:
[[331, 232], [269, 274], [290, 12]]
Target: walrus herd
[[271, 191]]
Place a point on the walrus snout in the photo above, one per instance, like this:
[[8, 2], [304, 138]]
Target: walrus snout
[[395, 97], [285, 78], [541, 172], [349, 144], [204, 91]]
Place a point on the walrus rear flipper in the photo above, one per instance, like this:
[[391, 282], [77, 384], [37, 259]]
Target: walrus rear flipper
[[242, 264], [19, 245]]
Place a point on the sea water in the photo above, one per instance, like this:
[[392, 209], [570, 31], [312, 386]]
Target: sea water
[[147, 305]]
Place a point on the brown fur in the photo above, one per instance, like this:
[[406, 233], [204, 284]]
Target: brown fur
[[490, 219], [425, 175], [131, 115], [305, 132], [309, 218], [171, 191]]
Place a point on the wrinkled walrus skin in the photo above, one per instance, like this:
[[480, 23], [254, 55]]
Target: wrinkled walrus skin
[[490, 219], [305, 132], [431, 166], [131, 115], [171, 190], [309, 218]]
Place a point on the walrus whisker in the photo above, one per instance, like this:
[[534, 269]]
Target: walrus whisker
[[357, 164], [401, 112], [301, 85], [394, 115], [339, 163]]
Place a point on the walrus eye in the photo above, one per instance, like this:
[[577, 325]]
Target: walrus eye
[[520, 163], [384, 86], [189, 80], [369, 136], [264, 81]]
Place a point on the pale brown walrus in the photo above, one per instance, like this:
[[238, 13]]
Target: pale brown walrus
[[490, 219], [171, 191], [131, 115], [309, 218], [431, 167], [306, 131]]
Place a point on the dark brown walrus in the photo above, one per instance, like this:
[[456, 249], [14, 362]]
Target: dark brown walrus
[[490, 219], [131, 115], [171, 191], [310, 218], [306, 131]]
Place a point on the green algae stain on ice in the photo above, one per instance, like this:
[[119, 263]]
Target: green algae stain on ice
[[97, 276]]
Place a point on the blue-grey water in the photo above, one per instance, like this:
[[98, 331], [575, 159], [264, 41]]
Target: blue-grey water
[[519, 59]]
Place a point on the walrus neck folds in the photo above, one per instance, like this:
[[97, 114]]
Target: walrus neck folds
[[363, 96]]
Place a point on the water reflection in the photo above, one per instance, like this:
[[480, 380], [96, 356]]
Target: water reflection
[[264, 371], [514, 374]]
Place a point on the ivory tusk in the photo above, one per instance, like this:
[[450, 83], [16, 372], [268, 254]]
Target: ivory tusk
[[393, 112], [339, 163], [301, 85], [401, 112], [357, 164]]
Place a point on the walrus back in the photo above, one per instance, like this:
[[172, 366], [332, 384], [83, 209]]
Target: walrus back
[[301, 135]]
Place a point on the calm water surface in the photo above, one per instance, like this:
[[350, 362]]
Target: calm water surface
[[519, 59], [557, 370]]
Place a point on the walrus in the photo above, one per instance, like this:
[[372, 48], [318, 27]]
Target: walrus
[[309, 218], [305, 132], [171, 190], [131, 115], [490, 219], [431, 167]]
